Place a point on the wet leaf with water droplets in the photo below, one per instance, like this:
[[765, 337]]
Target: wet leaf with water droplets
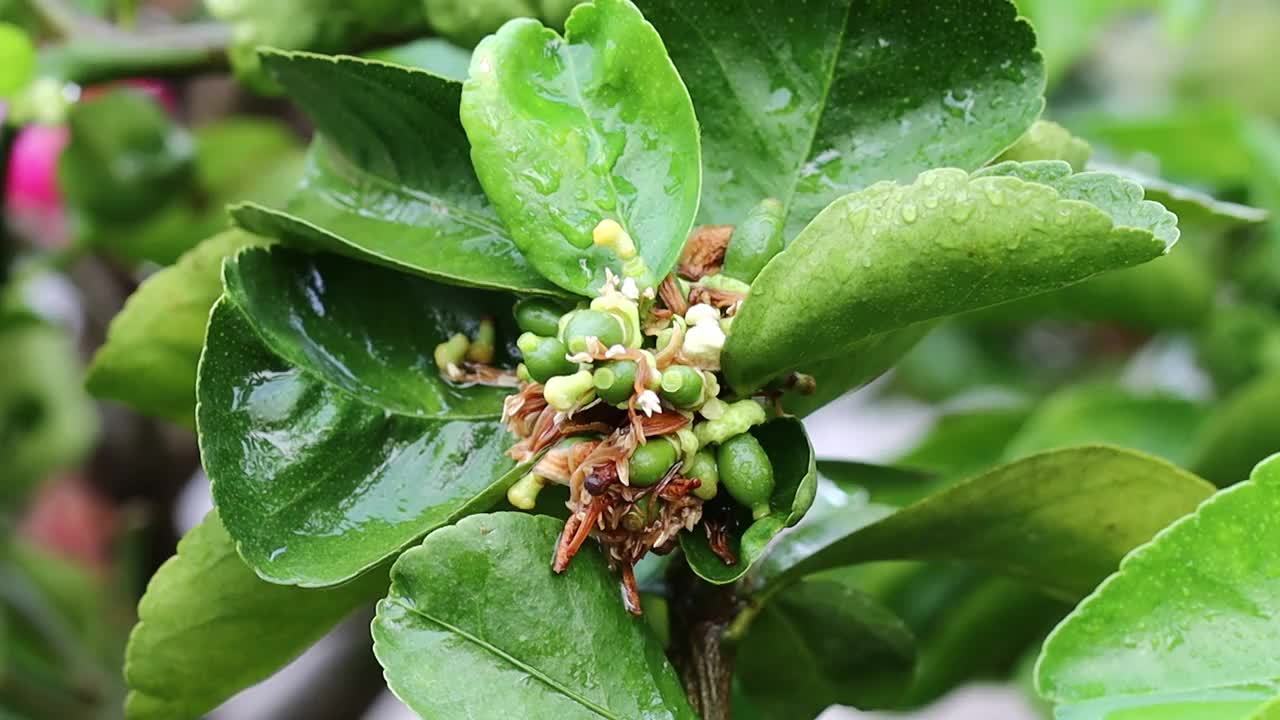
[[392, 186], [540, 646], [809, 100], [567, 132], [1188, 622], [987, 240], [316, 485], [1060, 520]]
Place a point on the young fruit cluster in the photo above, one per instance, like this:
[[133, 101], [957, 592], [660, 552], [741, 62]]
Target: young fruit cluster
[[620, 401]]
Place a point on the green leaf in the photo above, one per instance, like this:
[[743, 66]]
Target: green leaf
[[540, 646], [796, 478], [1241, 431], [1190, 205], [317, 486], [159, 334], [824, 642], [17, 59], [324, 313], [1155, 423], [1047, 140], [1172, 292], [892, 256], [568, 132], [393, 187], [807, 101], [208, 627], [47, 422], [1060, 519], [1186, 625], [126, 158]]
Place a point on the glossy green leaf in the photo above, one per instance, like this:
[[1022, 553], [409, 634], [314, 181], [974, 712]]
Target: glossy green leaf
[[541, 646], [159, 333], [566, 132], [796, 478], [824, 642], [47, 422], [317, 486], [892, 256], [1047, 140], [1156, 423], [1186, 625], [208, 627], [1242, 430], [369, 330], [1060, 519], [393, 186], [807, 101]]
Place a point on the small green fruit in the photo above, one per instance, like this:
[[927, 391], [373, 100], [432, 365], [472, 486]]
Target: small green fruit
[[746, 472], [591, 323], [544, 357], [703, 467], [682, 386], [615, 381], [651, 461], [538, 316]]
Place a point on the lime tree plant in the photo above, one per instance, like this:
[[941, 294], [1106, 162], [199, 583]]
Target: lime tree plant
[[523, 359]]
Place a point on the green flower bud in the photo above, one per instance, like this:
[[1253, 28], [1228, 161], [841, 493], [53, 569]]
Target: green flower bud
[[539, 316], [591, 323], [451, 352], [524, 494], [482, 348], [737, 418], [651, 461], [522, 373], [615, 381], [746, 472], [627, 313], [611, 235], [682, 386], [565, 392], [544, 357], [755, 241]]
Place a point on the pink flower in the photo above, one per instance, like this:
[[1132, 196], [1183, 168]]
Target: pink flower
[[32, 197]]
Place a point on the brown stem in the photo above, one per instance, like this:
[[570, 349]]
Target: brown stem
[[700, 613]]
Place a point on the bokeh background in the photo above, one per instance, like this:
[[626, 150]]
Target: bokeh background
[[1180, 358]]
